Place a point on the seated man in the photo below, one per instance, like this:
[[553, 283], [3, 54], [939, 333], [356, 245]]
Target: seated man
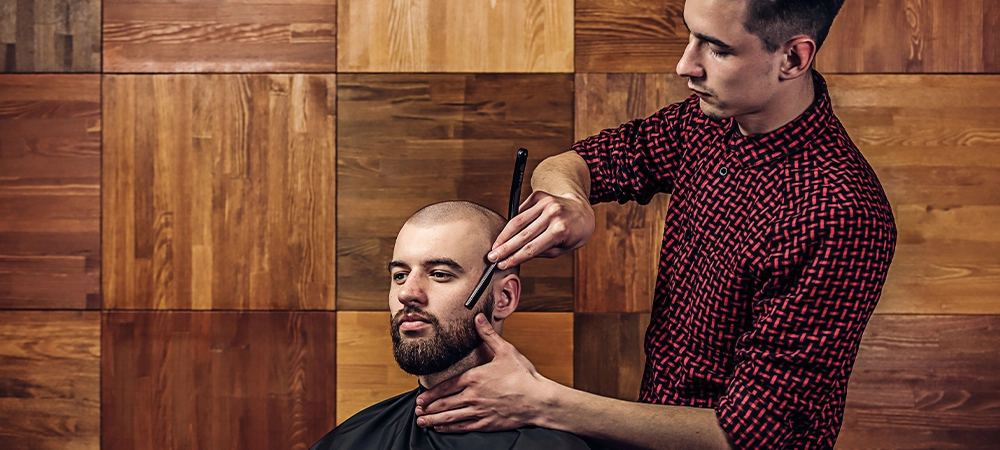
[[437, 261]]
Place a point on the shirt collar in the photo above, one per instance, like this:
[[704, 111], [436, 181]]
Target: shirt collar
[[761, 149]]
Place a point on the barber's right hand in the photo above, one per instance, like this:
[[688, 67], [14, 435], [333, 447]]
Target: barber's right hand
[[546, 226]]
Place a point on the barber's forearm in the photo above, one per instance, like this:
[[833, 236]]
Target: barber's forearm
[[561, 175], [623, 424]]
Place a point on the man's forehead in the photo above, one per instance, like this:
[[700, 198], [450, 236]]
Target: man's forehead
[[457, 240]]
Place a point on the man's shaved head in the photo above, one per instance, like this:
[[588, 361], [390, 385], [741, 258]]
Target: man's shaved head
[[489, 221]]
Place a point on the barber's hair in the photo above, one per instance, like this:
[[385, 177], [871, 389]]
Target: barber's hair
[[777, 21], [491, 222]]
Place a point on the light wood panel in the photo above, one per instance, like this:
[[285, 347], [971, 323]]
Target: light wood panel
[[50, 35], [609, 357], [219, 192], [407, 140], [906, 36], [455, 36], [940, 166], [367, 373], [217, 379], [50, 380], [50, 171], [925, 382], [220, 36], [616, 270], [629, 35]]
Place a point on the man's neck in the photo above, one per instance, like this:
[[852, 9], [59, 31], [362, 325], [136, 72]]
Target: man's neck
[[801, 95], [477, 358]]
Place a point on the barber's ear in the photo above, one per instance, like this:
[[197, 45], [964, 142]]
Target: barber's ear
[[506, 300], [799, 53]]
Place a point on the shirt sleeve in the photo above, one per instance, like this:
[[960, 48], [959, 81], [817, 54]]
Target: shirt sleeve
[[636, 160], [791, 370]]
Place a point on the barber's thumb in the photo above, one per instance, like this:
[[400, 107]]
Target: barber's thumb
[[486, 330]]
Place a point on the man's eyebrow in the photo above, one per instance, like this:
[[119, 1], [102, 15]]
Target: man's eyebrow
[[448, 262], [396, 265], [710, 39]]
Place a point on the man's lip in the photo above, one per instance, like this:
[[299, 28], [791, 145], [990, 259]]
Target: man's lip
[[412, 325], [697, 92]]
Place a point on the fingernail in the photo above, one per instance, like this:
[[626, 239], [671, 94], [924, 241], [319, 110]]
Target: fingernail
[[480, 319], [492, 256], [420, 402], [419, 411], [421, 422]]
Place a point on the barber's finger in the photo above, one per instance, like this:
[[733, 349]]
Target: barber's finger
[[456, 401], [445, 388], [503, 244], [464, 427], [446, 418], [545, 244], [490, 336]]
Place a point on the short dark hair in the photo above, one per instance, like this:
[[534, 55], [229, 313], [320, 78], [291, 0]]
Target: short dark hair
[[777, 21]]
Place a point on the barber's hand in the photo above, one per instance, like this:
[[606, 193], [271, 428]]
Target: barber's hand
[[501, 395], [546, 226]]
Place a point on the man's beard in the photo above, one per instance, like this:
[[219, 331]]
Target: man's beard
[[447, 346]]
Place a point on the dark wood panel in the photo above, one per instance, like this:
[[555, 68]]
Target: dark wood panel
[[905, 36], [616, 270], [925, 382], [50, 171], [50, 380], [629, 35], [223, 36], [262, 380], [940, 166], [219, 192], [409, 140], [609, 357], [50, 35]]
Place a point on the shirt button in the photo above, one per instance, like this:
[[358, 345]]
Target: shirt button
[[723, 171]]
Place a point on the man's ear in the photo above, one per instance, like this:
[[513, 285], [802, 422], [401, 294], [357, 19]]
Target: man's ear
[[799, 53], [507, 297]]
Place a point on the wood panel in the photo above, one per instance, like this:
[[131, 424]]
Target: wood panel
[[940, 166], [50, 380], [220, 36], [923, 382], [408, 140], [367, 373], [906, 36], [219, 192], [616, 270], [262, 380], [50, 171], [609, 359], [455, 36], [629, 35], [50, 35]]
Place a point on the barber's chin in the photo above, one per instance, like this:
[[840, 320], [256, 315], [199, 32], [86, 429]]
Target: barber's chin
[[712, 111]]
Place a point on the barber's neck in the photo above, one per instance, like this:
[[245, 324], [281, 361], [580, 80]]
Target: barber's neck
[[784, 108], [477, 358]]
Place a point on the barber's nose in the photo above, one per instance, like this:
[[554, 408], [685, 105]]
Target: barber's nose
[[689, 66], [412, 291]]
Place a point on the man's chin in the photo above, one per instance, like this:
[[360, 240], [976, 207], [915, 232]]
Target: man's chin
[[712, 111]]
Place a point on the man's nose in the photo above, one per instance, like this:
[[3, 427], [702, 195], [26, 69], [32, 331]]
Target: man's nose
[[689, 66], [412, 291]]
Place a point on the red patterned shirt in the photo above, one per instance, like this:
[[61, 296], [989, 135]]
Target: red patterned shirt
[[775, 251]]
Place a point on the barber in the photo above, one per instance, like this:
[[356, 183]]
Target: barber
[[775, 250]]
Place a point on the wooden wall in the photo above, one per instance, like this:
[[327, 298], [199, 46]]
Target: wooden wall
[[197, 201]]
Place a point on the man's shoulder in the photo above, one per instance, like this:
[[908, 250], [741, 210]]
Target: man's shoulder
[[380, 417]]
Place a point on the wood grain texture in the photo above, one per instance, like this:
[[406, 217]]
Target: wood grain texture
[[408, 140], [455, 36], [262, 380], [50, 35], [940, 166], [913, 36], [629, 35], [220, 36], [925, 382], [367, 373], [50, 171], [609, 357], [616, 270], [50, 380], [219, 192]]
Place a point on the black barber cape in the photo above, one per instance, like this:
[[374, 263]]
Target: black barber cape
[[392, 425]]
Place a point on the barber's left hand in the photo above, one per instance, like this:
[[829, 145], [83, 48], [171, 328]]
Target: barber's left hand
[[503, 394]]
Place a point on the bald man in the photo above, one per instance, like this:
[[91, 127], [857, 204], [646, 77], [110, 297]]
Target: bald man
[[437, 261]]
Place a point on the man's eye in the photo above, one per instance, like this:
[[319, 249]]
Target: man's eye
[[399, 276], [717, 52], [440, 276]]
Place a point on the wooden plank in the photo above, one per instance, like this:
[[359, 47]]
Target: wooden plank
[[940, 167], [905, 36], [50, 163], [629, 35], [409, 140], [616, 270], [367, 373], [609, 357], [50, 380], [219, 192], [224, 36], [455, 36], [217, 379], [50, 35], [923, 382]]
